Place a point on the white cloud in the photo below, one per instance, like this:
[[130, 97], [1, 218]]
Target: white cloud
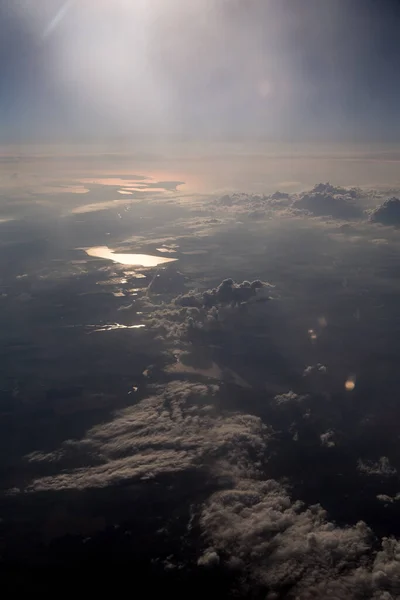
[[382, 467], [288, 397], [328, 439], [253, 524], [174, 430]]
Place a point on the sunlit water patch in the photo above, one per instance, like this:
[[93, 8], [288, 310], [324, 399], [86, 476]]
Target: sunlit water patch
[[141, 260], [113, 327]]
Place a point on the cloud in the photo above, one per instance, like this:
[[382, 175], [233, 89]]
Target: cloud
[[382, 467], [281, 543], [172, 322], [315, 369], [323, 200], [335, 190], [228, 292], [255, 203], [328, 439], [282, 546], [327, 200], [204, 311], [176, 429], [209, 559], [288, 398], [388, 499], [388, 213], [252, 525]]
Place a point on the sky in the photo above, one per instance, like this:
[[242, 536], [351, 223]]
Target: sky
[[277, 70]]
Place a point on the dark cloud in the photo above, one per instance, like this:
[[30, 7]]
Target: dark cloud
[[228, 292], [336, 190], [172, 322], [206, 311], [323, 200], [388, 213], [326, 200], [280, 196]]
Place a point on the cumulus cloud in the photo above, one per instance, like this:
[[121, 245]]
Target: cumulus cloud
[[240, 201], [328, 439], [209, 559], [314, 369], [281, 543], [386, 499], [288, 398], [323, 200], [382, 467], [205, 310], [326, 200], [336, 190], [284, 546], [252, 525], [255, 205], [228, 292], [173, 323], [387, 213], [175, 429]]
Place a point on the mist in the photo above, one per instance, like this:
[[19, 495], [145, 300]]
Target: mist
[[224, 70]]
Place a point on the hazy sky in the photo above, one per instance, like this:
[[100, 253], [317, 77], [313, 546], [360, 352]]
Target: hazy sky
[[274, 69]]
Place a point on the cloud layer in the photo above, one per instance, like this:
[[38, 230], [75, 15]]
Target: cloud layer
[[387, 213], [176, 429], [323, 200]]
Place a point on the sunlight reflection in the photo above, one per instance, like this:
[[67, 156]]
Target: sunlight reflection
[[114, 326], [142, 260]]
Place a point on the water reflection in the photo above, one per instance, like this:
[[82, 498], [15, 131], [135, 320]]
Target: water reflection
[[141, 260], [113, 327]]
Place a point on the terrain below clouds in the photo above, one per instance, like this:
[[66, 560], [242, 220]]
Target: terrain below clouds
[[226, 420]]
